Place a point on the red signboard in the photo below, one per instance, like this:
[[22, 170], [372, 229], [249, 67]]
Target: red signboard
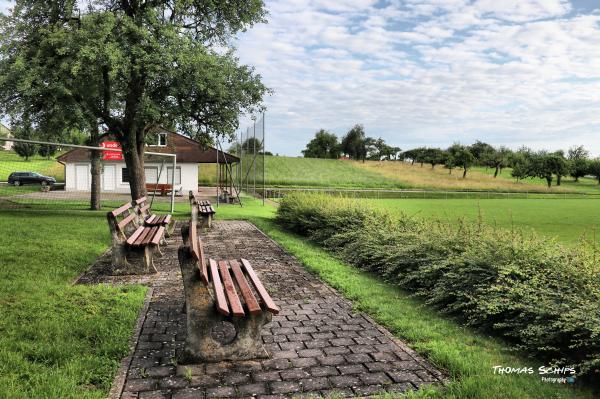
[[111, 155]]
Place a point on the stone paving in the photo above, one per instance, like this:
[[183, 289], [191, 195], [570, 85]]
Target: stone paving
[[319, 345]]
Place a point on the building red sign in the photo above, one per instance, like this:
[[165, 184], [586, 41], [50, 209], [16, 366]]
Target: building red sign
[[111, 155]]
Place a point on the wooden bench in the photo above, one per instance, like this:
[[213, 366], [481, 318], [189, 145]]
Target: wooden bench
[[142, 209], [225, 302], [205, 210], [128, 236], [162, 188]]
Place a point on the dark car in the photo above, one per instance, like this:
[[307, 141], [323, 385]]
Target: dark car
[[20, 178]]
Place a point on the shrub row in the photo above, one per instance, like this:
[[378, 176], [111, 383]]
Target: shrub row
[[540, 296]]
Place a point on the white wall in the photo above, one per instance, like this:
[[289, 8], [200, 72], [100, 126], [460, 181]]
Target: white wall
[[189, 176]]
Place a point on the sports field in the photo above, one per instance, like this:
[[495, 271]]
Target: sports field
[[567, 220]]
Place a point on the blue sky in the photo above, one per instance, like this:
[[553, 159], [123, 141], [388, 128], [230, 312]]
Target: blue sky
[[430, 72]]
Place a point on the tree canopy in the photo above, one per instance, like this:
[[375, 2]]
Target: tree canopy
[[323, 145], [129, 67]]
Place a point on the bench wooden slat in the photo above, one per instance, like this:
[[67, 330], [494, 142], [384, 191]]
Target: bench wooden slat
[[230, 291], [167, 219], [121, 209], [262, 292], [140, 200], [121, 225], [135, 235], [218, 287], [150, 219], [198, 251], [145, 208], [158, 235], [247, 294], [140, 240], [148, 238]]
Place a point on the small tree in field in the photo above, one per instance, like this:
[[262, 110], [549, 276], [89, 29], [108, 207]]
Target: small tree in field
[[594, 168], [579, 158], [323, 145], [461, 157], [434, 156], [354, 143], [25, 132]]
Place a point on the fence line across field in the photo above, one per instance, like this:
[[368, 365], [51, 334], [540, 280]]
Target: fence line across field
[[275, 193], [103, 149]]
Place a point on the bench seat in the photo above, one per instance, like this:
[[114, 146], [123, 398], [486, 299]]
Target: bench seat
[[221, 291], [128, 235], [204, 209], [142, 209]]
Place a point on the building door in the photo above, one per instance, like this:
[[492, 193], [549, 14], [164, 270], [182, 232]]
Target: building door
[[82, 178], [109, 178]]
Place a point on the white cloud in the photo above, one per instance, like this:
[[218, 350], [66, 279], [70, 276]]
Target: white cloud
[[431, 72]]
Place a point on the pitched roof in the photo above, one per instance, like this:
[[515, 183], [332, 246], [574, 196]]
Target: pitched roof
[[186, 149]]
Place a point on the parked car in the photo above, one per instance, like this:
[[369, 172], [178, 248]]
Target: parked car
[[20, 178]]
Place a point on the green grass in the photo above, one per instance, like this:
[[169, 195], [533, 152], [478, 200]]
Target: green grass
[[584, 185], [11, 162], [567, 220], [308, 172], [58, 340], [468, 357]]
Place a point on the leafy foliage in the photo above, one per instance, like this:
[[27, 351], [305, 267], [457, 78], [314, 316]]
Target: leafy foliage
[[323, 145], [538, 295]]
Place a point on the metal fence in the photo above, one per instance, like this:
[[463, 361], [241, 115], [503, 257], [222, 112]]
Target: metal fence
[[277, 193], [48, 175], [250, 148]]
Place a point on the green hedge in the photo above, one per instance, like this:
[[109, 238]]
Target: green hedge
[[540, 296]]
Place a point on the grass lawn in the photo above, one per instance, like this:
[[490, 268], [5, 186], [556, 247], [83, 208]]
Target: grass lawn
[[309, 172], [11, 162], [567, 220], [59, 340], [467, 356]]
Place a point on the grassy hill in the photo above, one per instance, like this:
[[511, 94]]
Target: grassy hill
[[11, 162], [309, 172]]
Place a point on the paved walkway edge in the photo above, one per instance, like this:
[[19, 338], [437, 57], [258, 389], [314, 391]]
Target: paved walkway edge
[[119, 381], [411, 352]]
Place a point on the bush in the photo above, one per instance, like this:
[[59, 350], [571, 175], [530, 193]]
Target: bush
[[540, 296]]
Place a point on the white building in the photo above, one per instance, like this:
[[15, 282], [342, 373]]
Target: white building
[[115, 178]]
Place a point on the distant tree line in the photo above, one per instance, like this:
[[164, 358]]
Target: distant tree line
[[524, 162], [355, 144]]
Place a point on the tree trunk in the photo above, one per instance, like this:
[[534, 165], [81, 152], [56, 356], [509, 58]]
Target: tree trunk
[[549, 181], [465, 173], [95, 201], [558, 179], [133, 152], [496, 172]]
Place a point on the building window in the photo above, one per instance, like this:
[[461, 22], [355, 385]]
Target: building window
[[151, 173], [177, 175], [162, 139], [124, 175]]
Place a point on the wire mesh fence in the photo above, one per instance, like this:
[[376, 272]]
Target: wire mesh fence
[[250, 148], [37, 175], [277, 193]]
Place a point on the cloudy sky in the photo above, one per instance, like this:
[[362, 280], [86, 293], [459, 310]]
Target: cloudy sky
[[430, 72]]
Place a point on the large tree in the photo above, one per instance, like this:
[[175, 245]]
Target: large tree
[[354, 143], [323, 145], [130, 66]]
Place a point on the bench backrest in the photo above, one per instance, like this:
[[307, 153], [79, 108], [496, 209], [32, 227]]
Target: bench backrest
[[142, 206], [197, 251], [125, 215]]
